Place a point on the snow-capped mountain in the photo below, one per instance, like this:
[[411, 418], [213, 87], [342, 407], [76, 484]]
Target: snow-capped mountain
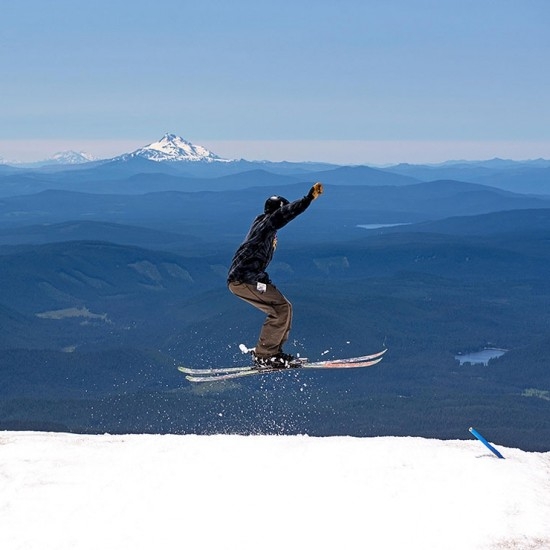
[[71, 157], [172, 148], [63, 158]]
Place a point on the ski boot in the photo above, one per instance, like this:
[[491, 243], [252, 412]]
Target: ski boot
[[278, 361]]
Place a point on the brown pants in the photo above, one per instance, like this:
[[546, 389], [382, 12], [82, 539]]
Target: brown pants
[[278, 309]]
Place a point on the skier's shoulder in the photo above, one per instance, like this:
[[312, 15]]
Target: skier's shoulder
[[261, 225], [261, 221]]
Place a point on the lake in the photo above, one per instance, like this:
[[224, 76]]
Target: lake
[[380, 225]]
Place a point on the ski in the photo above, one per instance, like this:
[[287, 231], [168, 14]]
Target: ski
[[215, 370], [251, 371], [350, 360], [326, 364]]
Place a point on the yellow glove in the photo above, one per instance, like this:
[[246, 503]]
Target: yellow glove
[[316, 190]]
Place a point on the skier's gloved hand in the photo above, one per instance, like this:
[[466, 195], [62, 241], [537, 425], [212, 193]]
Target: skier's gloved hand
[[315, 191]]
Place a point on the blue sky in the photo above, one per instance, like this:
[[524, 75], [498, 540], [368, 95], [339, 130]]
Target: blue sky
[[359, 81]]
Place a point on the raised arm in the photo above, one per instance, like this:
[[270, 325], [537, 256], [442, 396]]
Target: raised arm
[[289, 211]]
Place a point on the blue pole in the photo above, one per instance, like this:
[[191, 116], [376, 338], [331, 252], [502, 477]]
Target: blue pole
[[476, 434]]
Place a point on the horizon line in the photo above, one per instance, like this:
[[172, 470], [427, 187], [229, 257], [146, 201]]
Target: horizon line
[[331, 151]]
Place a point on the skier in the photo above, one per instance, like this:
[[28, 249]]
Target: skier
[[248, 279]]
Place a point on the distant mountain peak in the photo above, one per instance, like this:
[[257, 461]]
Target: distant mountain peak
[[71, 157], [173, 148], [62, 158]]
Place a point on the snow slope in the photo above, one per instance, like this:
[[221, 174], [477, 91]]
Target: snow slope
[[60, 491]]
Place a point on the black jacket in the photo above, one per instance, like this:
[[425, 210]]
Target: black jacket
[[253, 256]]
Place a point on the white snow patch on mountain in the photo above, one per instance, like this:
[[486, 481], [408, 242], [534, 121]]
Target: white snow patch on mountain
[[271, 492]]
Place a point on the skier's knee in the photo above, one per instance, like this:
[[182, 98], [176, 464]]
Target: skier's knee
[[284, 309]]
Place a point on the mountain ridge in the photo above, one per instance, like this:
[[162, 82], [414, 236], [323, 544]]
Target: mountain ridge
[[174, 156]]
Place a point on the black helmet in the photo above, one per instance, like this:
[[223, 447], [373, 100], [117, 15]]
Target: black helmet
[[273, 203]]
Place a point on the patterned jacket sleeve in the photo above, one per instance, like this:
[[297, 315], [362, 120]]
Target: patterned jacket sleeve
[[288, 212]]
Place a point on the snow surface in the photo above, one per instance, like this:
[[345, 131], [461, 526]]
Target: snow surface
[[63, 491]]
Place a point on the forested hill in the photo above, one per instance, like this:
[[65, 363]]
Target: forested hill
[[103, 295]]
